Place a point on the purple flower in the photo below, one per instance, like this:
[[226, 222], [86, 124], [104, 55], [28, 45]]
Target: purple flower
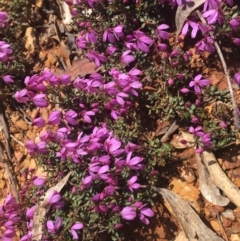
[[229, 2], [111, 50], [3, 19], [55, 117], [128, 213], [161, 31], [139, 41], [206, 140], [71, 116], [91, 36], [40, 100], [145, 212], [8, 79], [86, 115], [211, 16], [30, 212], [39, 122], [205, 44], [134, 163], [127, 59], [54, 199], [199, 83], [54, 227], [236, 78], [96, 57], [196, 131], [21, 96], [86, 182], [223, 124], [39, 181], [234, 23], [184, 90], [65, 79], [76, 226], [132, 183], [195, 27], [236, 41], [81, 42], [211, 4], [112, 34]]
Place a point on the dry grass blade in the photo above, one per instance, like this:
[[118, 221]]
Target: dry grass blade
[[42, 208], [192, 225], [184, 11]]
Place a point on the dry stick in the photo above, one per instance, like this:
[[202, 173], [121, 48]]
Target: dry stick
[[8, 149], [8, 170], [235, 108], [174, 126]]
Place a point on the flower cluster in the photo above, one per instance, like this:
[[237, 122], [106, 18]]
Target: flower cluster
[[9, 213], [204, 140]]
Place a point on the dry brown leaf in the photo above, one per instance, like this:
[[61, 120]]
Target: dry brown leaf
[[207, 188], [42, 208], [184, 11], [80, 67], [188, 218]]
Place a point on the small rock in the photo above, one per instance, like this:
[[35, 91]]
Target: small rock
[[234, 237], [188, 192], [229, 214], [226, 222], [219, 208], [215, 225], [21, 124]]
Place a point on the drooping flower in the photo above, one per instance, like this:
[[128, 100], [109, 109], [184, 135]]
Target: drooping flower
[[236, 78], [195, 27], [162, 34], [91, 36], [236, 41], [132, 183], [211, 16], [30, 212], [54, 199], [39, 181], [126, 58], [96, 57], [3, 19], [40, 122], [21, 96], [206, 44], [54, 227], [76, 226], [144, 213], [71, 116], [55, 117], [129, 213], [8, 79], [40, 100]]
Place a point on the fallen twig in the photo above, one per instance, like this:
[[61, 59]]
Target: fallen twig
[[174, 126], [8, 170], [219, 178], [235, 108]]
